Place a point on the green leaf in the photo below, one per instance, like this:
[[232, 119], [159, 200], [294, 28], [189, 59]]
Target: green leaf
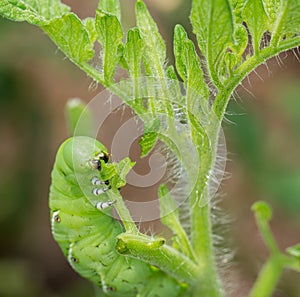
[[64, 28], [116, 172], [294, 251], [188, 63], [241, 42], [171, 74], [70, 35], [291, 23], [89, 24], [213, 25], [36, 12], [279, 19], [149, 138], [111, 7], [133, 52], [109, 172], [123, 167], [285, 16], [109, 34], [175, 90], [155, 48], [272, 7], [238, 6], [257, 20]]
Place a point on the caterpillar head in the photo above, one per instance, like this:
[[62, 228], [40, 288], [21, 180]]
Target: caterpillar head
[[91, 170], [83, 154]]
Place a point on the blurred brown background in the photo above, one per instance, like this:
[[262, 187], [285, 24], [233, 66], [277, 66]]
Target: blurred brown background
[[263, 138]]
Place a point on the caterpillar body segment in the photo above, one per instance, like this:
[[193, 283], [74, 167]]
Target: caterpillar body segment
[[83, 225]]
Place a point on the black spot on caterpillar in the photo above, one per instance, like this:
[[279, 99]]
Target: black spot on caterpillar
[[83, 226]]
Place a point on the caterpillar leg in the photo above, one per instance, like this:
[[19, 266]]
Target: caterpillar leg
[[98, 191], [97, 182], [102, 205]]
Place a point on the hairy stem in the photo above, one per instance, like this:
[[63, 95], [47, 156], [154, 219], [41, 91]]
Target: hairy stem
[[125, 216], [201, 213], [209, 284], [243, 70]]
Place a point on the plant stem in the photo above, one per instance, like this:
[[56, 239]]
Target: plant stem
[[125, 216], [201, 214], [208, 282], [271, 272], [268, 277], [244, 69], [186, 247]]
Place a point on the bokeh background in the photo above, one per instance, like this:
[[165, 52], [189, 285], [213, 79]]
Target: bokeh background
[[262, 133]]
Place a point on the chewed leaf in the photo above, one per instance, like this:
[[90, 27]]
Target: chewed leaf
[[123, 167], [109, 170], [71, 36]]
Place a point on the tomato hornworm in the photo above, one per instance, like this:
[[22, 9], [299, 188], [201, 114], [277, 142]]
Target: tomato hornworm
[[84, 185]]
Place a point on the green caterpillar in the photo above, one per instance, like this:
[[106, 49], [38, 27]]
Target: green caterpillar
[[83, 190]]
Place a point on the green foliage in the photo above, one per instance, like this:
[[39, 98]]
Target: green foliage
[[188, 63], [111, 7], [294, 251], [34, 12], [277, 261], [133, 53], [155, 48], [256, 22], [109, 35], [213, 26], [227, 57], [72, 37]]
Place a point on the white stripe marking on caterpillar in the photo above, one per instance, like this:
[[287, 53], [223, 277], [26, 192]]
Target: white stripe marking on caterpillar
[[102, 205], [97, 182], [98, 192]]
